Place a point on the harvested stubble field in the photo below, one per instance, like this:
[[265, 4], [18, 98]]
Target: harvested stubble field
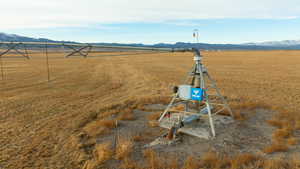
[[89, 115]]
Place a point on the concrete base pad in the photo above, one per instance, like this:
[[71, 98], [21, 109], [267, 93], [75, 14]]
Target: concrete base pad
[[199, 128], [162, 141]]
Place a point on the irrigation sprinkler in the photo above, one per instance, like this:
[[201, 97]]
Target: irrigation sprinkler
[[72, 49], [201, 100], [76, 49], [199, 94]]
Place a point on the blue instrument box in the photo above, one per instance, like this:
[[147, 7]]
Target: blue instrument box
[[197, 94]]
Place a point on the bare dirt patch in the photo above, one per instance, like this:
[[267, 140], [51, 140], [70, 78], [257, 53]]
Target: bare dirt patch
[[247, 136]]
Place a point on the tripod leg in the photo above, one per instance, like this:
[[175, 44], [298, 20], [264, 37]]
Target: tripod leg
[[176, 95], [186, 106], [211, 123], [207, 102], [168, 107], [219, 94]]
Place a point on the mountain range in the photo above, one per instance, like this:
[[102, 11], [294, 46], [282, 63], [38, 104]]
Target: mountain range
[[4, 37], [277, 43], [271, 45]]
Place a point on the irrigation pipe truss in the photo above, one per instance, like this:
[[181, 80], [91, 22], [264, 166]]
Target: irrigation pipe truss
[[77, 48], [24, 49]]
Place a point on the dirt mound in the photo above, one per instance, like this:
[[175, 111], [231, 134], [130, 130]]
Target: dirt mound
[[250, 135]]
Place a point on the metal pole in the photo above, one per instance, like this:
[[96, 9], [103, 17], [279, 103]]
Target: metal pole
[[168, 107], [26, 52], [196, 35], [1, 65], [202, 85], [89, 50], [47, 61], [220, 95]]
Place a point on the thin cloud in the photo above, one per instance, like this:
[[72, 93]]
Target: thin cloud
[[16, 14]]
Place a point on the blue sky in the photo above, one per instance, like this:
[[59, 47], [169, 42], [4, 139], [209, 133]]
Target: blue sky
[[210, 31], [153, 21]]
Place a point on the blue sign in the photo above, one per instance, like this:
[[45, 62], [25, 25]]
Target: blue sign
[[197, 94]]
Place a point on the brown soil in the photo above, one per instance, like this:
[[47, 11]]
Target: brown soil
[[44, 125]]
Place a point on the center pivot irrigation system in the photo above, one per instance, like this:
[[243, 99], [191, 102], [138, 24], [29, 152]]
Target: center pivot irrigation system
[[199, 96], [74, 49]]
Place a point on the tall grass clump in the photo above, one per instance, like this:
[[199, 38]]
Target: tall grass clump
[[103, 152]]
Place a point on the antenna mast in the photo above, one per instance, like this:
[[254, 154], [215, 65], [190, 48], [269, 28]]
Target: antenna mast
[[196, 35]]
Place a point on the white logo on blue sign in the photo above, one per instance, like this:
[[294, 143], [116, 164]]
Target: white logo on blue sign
[[197, 94]]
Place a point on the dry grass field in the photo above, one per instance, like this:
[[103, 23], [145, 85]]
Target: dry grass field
[[84, 118]]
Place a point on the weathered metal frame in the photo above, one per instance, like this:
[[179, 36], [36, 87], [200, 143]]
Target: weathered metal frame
[[76, 49], [13, 46], [104, 46], [206, 83], [81, 50]]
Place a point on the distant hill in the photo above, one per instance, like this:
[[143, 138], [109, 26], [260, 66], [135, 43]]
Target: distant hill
[[286, 45], [204, 46], [17, 38]]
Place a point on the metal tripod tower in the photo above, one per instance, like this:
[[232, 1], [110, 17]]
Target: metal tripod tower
[[199, 95]]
